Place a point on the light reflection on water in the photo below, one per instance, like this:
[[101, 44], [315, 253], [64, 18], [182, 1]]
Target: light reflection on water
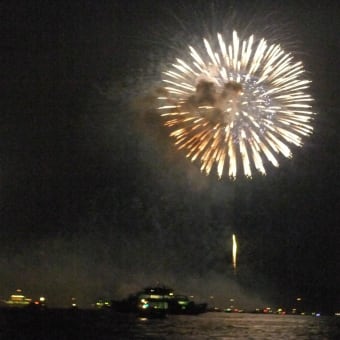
[[104, 325], [238, 326]]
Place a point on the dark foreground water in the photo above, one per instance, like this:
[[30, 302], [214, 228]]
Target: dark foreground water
[[102, 325]]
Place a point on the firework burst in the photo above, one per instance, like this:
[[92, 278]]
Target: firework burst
[[239, 104]]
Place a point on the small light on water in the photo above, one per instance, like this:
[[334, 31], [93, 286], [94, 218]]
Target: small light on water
[[317, 314]]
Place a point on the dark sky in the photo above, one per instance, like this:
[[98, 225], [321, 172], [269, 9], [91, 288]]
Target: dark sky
[[95, 201]]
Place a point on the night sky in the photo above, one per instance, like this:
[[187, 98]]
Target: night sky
[[95, 200]]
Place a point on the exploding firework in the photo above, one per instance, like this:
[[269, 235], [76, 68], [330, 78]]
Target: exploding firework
[[244, 103]]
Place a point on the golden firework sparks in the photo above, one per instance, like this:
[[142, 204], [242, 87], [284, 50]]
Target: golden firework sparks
[[241, 104]]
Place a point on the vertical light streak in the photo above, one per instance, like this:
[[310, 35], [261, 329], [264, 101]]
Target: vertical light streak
[[234, 253]]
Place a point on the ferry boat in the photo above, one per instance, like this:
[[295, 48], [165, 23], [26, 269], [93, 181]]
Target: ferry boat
[[157, 302], [150, 302]]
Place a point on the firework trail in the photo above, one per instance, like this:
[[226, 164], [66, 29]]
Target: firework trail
[[242, 103], [234, 252]]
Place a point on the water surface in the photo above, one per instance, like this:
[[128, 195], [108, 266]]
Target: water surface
[[103, 325]]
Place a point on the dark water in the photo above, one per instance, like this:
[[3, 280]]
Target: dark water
[[67, 324]]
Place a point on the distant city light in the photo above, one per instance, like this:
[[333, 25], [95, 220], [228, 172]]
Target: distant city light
[[73, 302]]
